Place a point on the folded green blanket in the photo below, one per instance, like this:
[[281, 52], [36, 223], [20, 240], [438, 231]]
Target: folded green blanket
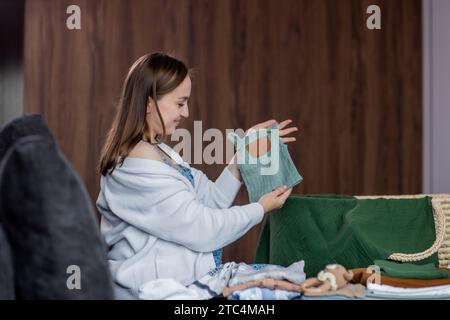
[[410, 271], [324, 229]]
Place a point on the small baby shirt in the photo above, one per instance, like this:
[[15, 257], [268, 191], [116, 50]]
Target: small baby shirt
[[266, 172]]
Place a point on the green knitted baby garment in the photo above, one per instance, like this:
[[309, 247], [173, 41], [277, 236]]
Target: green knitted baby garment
[[267, 172]]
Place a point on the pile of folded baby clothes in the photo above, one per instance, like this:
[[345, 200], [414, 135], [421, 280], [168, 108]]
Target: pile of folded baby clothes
[[392, 280], [233, 281]]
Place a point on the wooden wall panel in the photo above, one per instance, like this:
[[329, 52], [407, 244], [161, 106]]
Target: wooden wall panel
[[354, 93]]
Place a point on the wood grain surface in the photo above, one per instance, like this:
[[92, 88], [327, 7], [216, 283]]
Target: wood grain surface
[[354, 93]]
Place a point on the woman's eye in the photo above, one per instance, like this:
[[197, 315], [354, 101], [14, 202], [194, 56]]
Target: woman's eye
[[181, 105]]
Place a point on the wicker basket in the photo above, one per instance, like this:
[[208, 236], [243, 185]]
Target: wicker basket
[[441, 214]]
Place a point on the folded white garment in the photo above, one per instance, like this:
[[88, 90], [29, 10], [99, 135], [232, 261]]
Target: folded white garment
[[168, 289], [391, 289], [438, 292]]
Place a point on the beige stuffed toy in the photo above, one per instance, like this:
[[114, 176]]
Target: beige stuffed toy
[[332, 278]]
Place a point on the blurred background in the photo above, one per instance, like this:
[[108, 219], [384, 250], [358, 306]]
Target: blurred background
[[372, 106]]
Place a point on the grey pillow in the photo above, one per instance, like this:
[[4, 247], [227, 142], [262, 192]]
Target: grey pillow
[[48, 218], [6, 268]]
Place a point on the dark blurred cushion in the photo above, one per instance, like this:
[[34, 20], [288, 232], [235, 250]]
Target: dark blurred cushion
[[48, 218], [6, 268], [29, 124]]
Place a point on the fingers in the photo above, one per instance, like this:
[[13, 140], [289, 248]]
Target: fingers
[[280, 190], [287, 131], [286, 140], [275, 199], [282, 198], [264, 124], [281, 125], [284, 123], [286, 194]]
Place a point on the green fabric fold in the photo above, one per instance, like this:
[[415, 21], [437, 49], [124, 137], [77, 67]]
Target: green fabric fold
[[410, 271], [324, 229]]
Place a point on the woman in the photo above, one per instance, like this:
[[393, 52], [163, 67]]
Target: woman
[[160, 217]]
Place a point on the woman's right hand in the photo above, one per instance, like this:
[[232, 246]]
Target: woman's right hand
[[275, 199]]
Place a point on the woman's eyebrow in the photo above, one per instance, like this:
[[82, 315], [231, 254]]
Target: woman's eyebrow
[[183, 98]]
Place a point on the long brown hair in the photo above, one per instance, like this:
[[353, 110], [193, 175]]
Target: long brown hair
[[152, 75]]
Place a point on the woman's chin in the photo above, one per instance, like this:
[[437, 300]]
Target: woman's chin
[[172, 129]]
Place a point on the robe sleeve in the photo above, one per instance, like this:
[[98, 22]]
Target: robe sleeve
[[219, 194], [164, 206]]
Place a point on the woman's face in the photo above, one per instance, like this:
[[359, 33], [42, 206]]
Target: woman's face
[[173, 107]]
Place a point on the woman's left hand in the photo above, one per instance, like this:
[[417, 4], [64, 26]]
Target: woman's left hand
[[282, 126]]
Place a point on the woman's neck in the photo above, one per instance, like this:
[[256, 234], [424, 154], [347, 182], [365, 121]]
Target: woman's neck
[[150, 137]]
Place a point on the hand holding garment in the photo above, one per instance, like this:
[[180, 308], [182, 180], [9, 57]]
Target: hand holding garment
[[262, 173]]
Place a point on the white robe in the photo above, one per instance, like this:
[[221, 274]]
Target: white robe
[[158, 226]]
